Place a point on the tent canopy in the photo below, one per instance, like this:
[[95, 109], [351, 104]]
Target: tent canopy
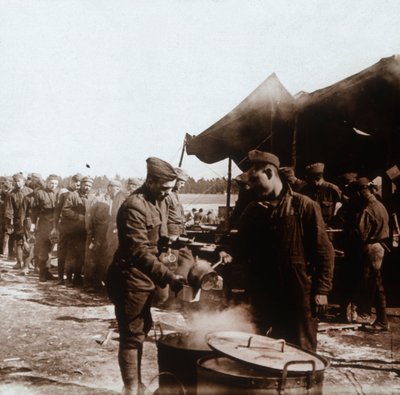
[[353, 124], [262, 120]]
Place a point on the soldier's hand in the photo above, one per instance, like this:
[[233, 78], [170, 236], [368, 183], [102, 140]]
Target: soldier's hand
[[225, 257], [177, 283]]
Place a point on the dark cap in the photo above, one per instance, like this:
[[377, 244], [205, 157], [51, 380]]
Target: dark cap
[[76, 177], [160, 169], [315, 168], [348, 177], [87, 179], [256, 156], [115, 183], [181, 174], [18, 176]]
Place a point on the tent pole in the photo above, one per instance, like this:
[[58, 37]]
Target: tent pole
[[229, 185], [294, 143], [183, 152]]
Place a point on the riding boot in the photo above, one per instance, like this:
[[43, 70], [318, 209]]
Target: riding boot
[[43, 271], [128, 364]]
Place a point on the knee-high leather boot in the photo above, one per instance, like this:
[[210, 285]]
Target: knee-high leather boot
[[128, 364]]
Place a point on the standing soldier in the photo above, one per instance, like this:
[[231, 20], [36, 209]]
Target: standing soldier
[[102, 241], [176, 214], [137, 268], [13, 218], [74, 218], [328, 195], [42, 216], [279, 235], [60, 226], [366, 233], [6, 188], [133, 184]]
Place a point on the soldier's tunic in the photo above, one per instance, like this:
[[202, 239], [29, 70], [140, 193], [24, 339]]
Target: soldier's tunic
[[136, 268], [60, 226], [176, 215], [74, 226], [326, 194], [369, 228], [14, 214], [288, 259], [42, 214]]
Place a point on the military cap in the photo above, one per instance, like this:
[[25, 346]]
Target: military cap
[[76, 177], [256, 156], [362, 182], [35, 176], [18, 176], [181, 174], [115, 183], [315, 168], [348, 177], [87, 179], [160, 169], [134, 181], [53, 177]]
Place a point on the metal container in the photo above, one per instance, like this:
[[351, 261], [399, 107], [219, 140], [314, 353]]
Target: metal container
[[177, 355], [202, 275], [218, 375]]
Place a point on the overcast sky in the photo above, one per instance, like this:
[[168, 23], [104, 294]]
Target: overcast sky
[[112, 82]]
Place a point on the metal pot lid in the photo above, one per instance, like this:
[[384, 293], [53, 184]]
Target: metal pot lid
[[265, 352]]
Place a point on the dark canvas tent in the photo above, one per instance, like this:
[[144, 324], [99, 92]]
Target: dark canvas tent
[[331, 126], [263, 120], [353, 124]]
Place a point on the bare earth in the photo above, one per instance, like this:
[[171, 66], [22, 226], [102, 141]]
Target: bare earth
[[50, 344]]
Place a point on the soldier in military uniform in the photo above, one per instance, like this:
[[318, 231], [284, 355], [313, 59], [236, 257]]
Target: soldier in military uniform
[[279, 235], [6, 188], [74, 219], [137, 266], [60, 226], [42, 217], [13, 213], [328, 195]]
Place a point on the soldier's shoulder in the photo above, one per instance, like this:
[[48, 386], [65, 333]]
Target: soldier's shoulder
[[303, 201], [330, 185], [136, 201]]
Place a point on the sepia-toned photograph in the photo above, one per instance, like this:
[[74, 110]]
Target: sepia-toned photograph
[[199, 197]]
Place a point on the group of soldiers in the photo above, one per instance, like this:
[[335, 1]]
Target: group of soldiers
[[38, 216], [283, 242]]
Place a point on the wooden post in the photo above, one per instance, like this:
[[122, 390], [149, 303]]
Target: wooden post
[[183, 152], [228, 192]]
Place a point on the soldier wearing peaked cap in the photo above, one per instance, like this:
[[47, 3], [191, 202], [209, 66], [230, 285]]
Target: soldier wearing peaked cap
[[366, 231], [74, 216], [327, 195], [138, 267], [42, 215], [133, 184], [61, 225], [280, 233], [102, 234], [13, 213]]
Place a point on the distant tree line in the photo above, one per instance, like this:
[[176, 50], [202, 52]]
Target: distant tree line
[[213, 185]]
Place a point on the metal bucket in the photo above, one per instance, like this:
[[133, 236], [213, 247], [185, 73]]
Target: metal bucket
[[202, 275], [178, 354], [218, 375]]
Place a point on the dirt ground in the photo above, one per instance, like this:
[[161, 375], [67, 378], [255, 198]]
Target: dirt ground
[[50, 344]]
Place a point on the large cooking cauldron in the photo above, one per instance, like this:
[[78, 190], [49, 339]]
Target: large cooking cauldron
[[177, 356], [218, 375]]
